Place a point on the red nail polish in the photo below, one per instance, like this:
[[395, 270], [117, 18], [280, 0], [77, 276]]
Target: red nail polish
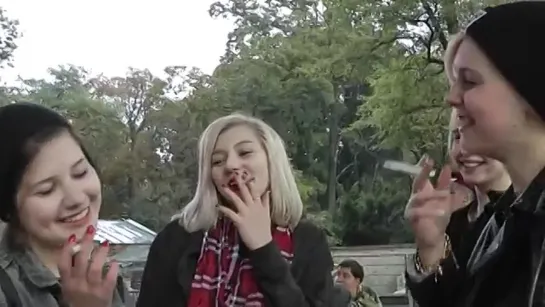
[[105, 243], [72, 239], [90, 229]]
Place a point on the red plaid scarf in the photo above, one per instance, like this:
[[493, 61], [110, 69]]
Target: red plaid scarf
[[224, 278]]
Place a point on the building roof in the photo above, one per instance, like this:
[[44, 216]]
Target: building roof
[[124, 232]]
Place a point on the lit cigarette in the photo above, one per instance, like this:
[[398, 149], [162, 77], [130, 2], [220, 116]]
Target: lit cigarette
[[404, 167], [76, 249]]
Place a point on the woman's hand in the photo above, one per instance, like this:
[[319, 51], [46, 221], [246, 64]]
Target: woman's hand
[[82, 281], [429, 210], [253, 217]]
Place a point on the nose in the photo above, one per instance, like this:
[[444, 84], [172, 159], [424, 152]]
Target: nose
[[454, 95], [232, 163], [74, 197]]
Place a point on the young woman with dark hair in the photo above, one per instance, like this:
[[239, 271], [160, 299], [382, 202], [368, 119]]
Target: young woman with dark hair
[[50, 196]]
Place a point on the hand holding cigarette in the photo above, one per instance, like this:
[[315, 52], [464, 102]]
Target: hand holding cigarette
[[429, 210], [82, 279]]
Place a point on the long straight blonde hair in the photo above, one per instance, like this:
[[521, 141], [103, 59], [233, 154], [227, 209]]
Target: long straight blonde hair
[[286, 205]]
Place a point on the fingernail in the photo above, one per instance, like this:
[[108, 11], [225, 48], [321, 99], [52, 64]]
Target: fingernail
[[90, 229], [105, 243], [72, 238]]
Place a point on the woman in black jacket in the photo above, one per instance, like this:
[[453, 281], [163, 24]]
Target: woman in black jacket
[[497, 68], [479, 182], [241, 240]]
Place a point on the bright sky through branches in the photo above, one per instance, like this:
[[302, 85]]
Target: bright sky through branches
[[109, 36]]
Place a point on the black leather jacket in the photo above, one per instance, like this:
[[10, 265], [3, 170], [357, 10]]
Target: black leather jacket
[[505, 265]]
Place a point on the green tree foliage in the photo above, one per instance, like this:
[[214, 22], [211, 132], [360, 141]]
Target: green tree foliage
[[8, 35]]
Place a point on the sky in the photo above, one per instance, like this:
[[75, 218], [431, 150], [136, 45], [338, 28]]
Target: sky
[[110, 36]]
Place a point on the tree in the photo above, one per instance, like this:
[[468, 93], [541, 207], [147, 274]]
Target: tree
[[407, 108], [8, 36]]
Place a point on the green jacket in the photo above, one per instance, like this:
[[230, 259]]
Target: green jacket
[[366, 297]]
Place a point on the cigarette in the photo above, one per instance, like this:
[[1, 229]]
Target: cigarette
[[76, 249], [404, 167]]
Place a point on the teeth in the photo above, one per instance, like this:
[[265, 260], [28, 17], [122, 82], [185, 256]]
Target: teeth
[[78, 217], [471, 164]]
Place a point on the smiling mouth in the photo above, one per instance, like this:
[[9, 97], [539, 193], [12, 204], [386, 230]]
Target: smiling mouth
[[77, 217], [470, 164]]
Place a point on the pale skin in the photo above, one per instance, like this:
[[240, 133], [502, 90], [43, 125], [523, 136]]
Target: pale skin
[[252, 217], [493, 116], [429, 210], [58, 204], [240, 155], [493, 121], [84, 284]]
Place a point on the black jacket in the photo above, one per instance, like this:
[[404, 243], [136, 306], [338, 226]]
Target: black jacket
[[463, 234], [506, 265], [307, 282], [341, 297]]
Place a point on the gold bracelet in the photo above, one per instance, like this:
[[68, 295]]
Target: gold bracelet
[[436, 268]]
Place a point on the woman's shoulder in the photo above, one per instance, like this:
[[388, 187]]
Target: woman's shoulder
[[174, 234]]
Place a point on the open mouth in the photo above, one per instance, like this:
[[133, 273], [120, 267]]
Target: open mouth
[[470, 164], [233, 184], [76, 217]]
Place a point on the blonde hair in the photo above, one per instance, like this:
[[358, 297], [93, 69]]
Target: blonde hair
[[286, 205], [452, 122], [450, 54]]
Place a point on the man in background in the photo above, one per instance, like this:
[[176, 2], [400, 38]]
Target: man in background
[[350, 274]]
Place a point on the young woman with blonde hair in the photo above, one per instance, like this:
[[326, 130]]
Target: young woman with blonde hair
[[241, 240], [497, 67], [479, 183]]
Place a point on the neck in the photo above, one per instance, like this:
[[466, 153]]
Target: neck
[[482, 197], [49, 257], [499, 185], [525, 165], [354, 292]]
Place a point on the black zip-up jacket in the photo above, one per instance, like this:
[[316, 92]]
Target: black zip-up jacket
[[307, 282], [505, 268], [463, 235]]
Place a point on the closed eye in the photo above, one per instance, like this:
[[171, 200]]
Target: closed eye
[[81, 174]]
